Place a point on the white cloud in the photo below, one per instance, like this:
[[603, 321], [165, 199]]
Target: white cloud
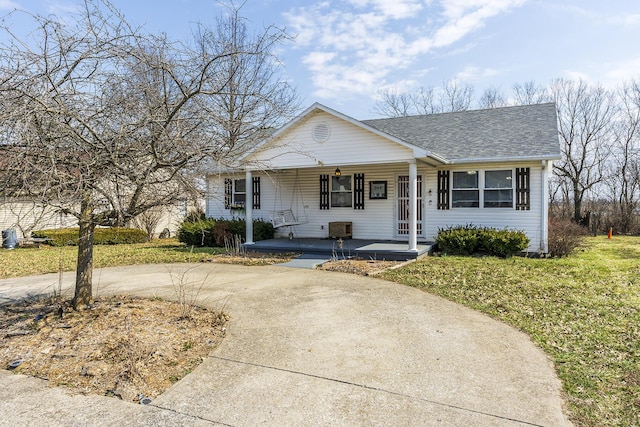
[[622, 71], [473, 74], [8, 5], [632, 20], [354, 46], [577, 75]]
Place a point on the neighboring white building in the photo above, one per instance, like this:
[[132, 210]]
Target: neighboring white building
[[26, 216], [399, 179]]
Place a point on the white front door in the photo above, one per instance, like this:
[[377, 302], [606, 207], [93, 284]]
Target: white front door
[[402, 203]]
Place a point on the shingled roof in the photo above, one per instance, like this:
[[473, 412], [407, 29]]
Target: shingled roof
[[509, 133]]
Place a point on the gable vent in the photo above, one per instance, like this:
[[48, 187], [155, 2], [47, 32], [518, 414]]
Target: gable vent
[[321, 132]]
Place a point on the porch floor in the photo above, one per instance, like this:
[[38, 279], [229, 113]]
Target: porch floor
[[330, 248]]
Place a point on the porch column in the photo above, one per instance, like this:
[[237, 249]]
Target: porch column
[[413, 206], [248, 208]]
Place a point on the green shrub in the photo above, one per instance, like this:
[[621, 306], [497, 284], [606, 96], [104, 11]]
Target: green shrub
[[460, 240], [212, 232], [469, 239], [198, 233], [101, 236], [263, 230], [502, 243]]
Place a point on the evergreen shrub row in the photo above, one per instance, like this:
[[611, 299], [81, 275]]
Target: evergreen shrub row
[[213, 232], [470, 239], [102, 236]]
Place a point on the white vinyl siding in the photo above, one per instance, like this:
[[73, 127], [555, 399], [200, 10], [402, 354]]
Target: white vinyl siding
[[530, 221], [346, 144], [375, 221], [25, 217], [378, 218]]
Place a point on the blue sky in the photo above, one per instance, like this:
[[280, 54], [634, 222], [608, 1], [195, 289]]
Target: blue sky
[[346, 51]]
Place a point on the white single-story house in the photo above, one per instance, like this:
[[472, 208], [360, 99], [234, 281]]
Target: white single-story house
[[396, 179]]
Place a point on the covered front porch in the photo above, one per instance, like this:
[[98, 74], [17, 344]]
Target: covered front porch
[[343, 248]]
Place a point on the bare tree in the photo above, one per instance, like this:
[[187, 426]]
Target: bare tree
[[254, 99], [530, 93], [585, 115], [492, 97], [105, 122], [625, 179], [393, 104], [455, 96], [449, 97]]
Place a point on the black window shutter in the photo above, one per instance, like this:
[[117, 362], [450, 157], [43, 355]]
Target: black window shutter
[[358, 184], [443, 190], [324, 192], [523, 184], [228, 192], [256, 192]]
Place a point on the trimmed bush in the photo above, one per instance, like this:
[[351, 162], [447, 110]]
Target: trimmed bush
[[469, 239], [101, 236], [198, 233], [212, 232], [564, 237], [461, 240], [503, 243]]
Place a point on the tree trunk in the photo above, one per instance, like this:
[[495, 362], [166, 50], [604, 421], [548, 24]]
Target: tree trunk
[[84, 271], [577, 204]]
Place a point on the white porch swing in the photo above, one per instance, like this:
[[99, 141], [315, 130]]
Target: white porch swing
[[287, 217]]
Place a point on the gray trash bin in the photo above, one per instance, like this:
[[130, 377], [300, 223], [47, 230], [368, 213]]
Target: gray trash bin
[[9, 238]]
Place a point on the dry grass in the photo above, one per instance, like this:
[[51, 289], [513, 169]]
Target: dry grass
[[46, 259], [583, 310], [120, 346], [362, 267]]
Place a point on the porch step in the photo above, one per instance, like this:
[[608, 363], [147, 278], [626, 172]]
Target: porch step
[[347, 248]]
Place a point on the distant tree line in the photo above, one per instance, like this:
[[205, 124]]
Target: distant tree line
[[597, 181]]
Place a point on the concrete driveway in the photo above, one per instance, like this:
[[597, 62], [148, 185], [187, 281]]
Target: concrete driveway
[[308, 347]]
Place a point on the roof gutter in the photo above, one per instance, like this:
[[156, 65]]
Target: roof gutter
[[503, 159]]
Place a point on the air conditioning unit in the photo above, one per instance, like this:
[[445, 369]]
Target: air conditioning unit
[[340, 229]]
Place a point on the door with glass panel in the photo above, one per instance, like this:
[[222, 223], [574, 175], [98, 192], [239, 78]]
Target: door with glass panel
[[402, 206]]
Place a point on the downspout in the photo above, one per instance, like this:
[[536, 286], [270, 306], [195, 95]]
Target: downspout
[[544, 218]]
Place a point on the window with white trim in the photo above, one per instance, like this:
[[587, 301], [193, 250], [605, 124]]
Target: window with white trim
[[341, 192], [465, 192], [498, 189], [239, 192]]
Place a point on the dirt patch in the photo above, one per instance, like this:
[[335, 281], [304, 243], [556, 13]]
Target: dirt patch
[[361, 266], [124, 347], [252, 258]]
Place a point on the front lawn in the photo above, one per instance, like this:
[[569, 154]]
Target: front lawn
[[46, 259], [584, 311]]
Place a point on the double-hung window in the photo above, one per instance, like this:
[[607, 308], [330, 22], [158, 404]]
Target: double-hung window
[[465, 192], [487, 189], [239, 192], [341, 192], [498, 189]]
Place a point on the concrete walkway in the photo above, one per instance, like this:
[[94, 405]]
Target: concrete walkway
[[310, 347]]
